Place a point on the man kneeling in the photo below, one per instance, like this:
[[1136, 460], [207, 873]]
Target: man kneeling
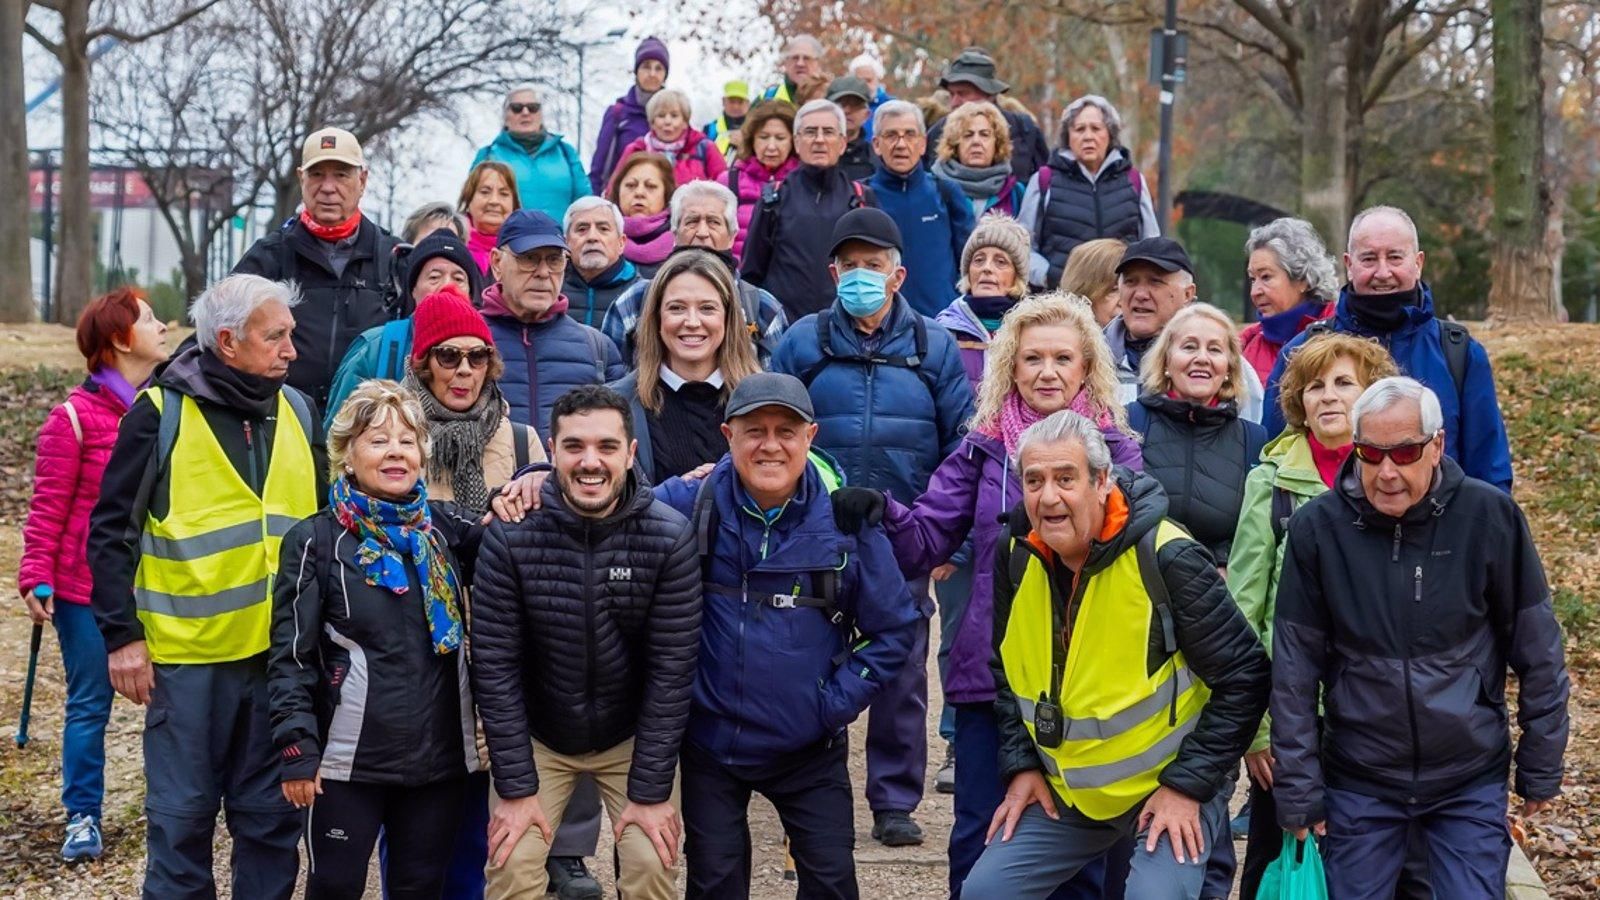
[[1128, 683]]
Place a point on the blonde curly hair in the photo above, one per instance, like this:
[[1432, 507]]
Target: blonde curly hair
[[1000, 361]]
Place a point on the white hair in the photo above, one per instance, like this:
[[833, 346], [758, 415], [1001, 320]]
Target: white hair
[[792, 43], [1300, 252], [894, 258], [662, 98], [1109, 112], [865, 61], [1067, 425], [583, 205], [816, 106], [705, 190], [1371, 211], [227, 304], [898, 108], [522, 89], [1386, 393]]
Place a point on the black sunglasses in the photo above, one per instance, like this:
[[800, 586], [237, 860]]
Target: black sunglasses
[[450, 357], [1402, 454], [524, 107]]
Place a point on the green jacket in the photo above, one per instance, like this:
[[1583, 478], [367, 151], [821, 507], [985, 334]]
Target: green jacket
[[1257, 557]]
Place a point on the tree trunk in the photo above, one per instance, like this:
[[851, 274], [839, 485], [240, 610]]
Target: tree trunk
[[16, 273], [75, 274], [1324, 132], [1520, 268]]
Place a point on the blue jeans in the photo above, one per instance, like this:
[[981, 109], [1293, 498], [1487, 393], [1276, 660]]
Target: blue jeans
[[89, 693], [1467, 842]]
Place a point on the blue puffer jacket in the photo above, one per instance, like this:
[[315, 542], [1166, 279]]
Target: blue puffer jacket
[[548, 179], [935, 220], [889, 426], [546, 359], [768, 684], [1474, 431]]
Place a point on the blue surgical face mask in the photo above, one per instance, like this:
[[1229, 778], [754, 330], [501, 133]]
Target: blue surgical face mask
[[863, 292]]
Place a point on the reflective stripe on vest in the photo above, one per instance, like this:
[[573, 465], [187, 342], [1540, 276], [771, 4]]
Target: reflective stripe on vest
[[204, 583], [1121, 724], [724, 138]]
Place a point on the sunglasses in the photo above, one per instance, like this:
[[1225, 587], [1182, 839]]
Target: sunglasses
[[450, 357], [1402, 454], [524, 107]]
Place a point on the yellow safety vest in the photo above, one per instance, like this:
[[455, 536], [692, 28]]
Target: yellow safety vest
[[204, 583], [1121, 725], [724, 138]]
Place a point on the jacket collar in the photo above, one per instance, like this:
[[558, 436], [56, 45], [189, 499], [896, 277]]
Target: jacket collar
[[1416, 316], [1146, 506], [959, 318], [551, 141], [1186, 411], [895, 181], [807, 535], [634, 500], [1294, 469], [844, 327], [620, 272]]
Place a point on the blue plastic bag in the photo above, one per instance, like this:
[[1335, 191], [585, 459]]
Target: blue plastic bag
[[1296, 874]]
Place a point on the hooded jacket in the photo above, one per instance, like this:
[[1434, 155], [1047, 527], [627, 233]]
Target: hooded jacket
[[624, 122], [786, 251], [548, 179], [545, 359], [1474, 432], [589, 300], [1403, 628], [935, 220], [746, 178]]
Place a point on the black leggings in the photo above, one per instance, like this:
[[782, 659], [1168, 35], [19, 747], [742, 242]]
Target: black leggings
[[421, 824]]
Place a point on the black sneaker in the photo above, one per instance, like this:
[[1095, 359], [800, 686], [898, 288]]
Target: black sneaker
[[895, 828], [570, 879], [945, 781]]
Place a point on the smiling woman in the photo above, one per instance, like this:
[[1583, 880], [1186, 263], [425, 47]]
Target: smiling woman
[[487, 198]]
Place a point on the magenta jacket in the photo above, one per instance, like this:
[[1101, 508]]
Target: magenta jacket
[[66, 484], [700, 160], [747, 178]]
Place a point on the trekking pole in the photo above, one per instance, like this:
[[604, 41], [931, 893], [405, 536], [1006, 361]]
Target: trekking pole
[[788, 861], [27, 688]]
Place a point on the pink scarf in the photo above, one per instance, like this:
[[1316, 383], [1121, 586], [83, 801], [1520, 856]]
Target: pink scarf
[[669, 150], [1016, 415], [649, 239], [479, 245]]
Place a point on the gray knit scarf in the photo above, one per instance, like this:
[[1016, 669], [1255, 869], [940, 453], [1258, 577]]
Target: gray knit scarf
[[459, 440], [976, 183]]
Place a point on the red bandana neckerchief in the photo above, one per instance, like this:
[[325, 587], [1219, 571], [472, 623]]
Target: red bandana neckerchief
[[330, 232]]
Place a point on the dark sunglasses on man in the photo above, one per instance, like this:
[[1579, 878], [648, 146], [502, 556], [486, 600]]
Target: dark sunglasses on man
[[1402, 454], [450, 357], [524, 107]]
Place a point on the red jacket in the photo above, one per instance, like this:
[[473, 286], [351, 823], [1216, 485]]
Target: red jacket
[[66, 484], [700, 160]]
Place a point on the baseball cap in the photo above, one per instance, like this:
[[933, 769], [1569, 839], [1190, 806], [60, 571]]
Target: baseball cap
[[1165, 254], [849, 86], [739, 89], [865, 224], [334, 144], [530, 229], [769, 389]]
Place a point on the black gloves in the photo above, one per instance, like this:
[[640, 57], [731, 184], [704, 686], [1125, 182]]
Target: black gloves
[[854, 507]]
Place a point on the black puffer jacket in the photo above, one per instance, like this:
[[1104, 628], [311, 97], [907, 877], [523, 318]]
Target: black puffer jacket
[[354, 686], [585, 632], [1076, 210], [1212, 634], [1403, 628], [1201, 455]]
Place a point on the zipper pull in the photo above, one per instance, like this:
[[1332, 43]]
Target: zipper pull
[[1394, 555], [248, 443], [1416, 594]]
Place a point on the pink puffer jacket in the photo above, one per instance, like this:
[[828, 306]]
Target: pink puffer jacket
[[747, 184], [66, 484], [699, 160]]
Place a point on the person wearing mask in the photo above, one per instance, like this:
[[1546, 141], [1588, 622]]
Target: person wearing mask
[[389, 753], [766, 155], [975, 153], [1089, 189], [342, 262], [693, 156], [1321, 386], [1292, 284], [724, 129], [487, 197], [704, 217], [1386, 299], [970, 78], [597, 273], [1401, 721], [122, 342], [213, 465], [891, 396], [690, 358], [1091, 273], [851, 93], [546, 170], [642, 188], [626, 121], [993, 265], [787, 250], [802, 62], [1195, 443]]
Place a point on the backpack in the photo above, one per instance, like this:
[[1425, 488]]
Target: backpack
[[391, 360], [769, 205], [1453, 339], [1282, 509], [914, 362], [1044, 191]]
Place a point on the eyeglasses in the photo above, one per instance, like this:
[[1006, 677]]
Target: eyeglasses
[[524, 107], [891, 138], [451, 357], [812, 132], [1402, 454], [527, 264]]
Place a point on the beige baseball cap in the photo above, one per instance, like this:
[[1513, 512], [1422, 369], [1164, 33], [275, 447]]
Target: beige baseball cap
[[334, 144]]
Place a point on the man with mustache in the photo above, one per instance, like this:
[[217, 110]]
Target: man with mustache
[[598, 274]]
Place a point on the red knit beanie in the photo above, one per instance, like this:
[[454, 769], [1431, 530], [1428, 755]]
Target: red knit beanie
[[442, 315]]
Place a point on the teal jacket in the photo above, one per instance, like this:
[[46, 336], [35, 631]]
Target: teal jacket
[[548, 179]]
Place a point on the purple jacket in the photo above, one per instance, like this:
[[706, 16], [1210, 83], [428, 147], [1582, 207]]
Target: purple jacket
[[971, 337], [624, 123]]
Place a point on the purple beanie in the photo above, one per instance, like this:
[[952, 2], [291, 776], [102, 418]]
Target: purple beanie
[[652, 48]]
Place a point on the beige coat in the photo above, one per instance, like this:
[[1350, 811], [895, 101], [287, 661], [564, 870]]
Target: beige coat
[[499, 462]]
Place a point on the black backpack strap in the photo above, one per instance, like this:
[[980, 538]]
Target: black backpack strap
[[1320, 326], [1156, 587], [520, 445], [300, 404], [825, 344], [705, 520], [1456, 341], [769, 211], [733, 180], [1282, 509], [595, 337], [166, 437]]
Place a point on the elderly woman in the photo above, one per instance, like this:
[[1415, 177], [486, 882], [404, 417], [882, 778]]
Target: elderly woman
[[694, 157], [1092, 272], [690, 357], [367, 676], [487, 198], [1195, 442], [626, 120], [1323, 380], [545, 168], [766, 156], [1292, 284], [430, 217], [642, 189], [122, 342], [975, 152], [993, 269], [1089, 190]]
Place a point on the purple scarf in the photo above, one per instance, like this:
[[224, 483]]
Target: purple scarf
[[108, 378], [650, 239], [1016, 415]]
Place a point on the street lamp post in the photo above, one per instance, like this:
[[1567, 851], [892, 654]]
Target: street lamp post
[[580, 46]]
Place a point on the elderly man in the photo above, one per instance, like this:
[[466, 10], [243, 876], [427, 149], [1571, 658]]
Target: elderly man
[[549, 173], [724, 129], [596, 273], [852, 95], [786, 251], [342, 261], [704, 214], [802, 59], [1128, 683], [970, 79], [212, 465], [934, 216], [891, 397], [1397, 616], [870, 70], [1387, 300], [1154, 280]]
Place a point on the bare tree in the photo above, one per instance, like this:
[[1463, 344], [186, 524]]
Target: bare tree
[[1521, 283], [16, 273]]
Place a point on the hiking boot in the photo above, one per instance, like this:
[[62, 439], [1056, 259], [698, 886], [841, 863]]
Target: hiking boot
[[1239, 826], [945, 781], [83, 839], [894, 828], [570, 879]]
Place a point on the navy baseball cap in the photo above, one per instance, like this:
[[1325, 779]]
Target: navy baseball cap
[[529, 229]]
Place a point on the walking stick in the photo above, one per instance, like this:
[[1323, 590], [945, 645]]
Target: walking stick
[[788, 860], [27, 688]]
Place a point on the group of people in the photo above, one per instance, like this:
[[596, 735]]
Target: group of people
[[440, 542]]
